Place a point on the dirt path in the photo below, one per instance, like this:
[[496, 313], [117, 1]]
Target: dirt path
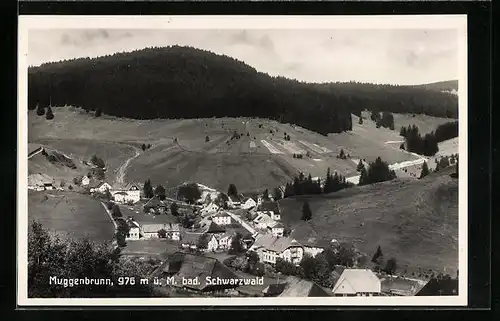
[[122, 170], [109, 214]]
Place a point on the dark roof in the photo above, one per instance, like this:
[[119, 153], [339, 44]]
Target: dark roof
[[214, 228], [269, 206], [302, 288], [274, 289], [154, 202], [190, 238], [234, 199], [191, 266], [436, 287], [95, 183]]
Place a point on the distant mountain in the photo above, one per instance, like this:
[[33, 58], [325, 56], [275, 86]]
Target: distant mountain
[[184, 82], [448, 86]]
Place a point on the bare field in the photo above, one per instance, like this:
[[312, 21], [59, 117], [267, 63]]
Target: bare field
[[250, 172], [415, 221], [70, 213]]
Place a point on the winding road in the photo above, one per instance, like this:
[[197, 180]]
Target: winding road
[[122, 170]]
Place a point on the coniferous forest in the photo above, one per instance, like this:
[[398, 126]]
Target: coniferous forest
[[184, 82]]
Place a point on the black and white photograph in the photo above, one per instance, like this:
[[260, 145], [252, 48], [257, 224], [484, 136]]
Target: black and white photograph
[[252, 160]]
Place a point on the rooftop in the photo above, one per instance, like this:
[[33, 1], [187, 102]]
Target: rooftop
[[274, 243], [359, 280], [190, 266], [269, 206], [297, 287]]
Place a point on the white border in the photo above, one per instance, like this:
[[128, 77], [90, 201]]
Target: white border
[[458, 22]]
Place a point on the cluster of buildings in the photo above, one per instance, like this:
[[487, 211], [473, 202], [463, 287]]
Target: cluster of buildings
[[125, 194]]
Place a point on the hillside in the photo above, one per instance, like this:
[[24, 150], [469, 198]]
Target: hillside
[[70, 214], [183, 82], [415, 221], [260, 158]]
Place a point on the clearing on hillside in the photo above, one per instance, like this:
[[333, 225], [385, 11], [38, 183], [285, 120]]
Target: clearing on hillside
[[70, 213], [415, 221]]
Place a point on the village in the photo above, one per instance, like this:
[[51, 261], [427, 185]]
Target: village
[[201, 233]]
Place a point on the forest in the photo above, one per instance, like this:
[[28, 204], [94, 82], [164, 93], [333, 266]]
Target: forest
[[184, 82]]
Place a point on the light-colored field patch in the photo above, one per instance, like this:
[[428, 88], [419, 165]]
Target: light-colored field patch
[[317, 160], [448, 147], [292, 148], [324, 149], [271, 148], [312, 147]]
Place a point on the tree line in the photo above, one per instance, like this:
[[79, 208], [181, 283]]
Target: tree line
[[183, 82], [414, 142], [394, 99]]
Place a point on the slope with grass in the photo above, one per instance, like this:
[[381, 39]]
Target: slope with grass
[[70, 214], [259, 158], [415, 221]]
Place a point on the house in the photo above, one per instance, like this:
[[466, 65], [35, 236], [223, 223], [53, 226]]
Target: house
[[306, 235], [270, 208], [439, 287], [210, 209], [234, 201], [40, 182], [277, 229], [155, 206], [96, 186], [248, 203], [222, 218], [220, 242], [197, 273], [210, 227], [85, 181], [134, 232], [270, 248], [296, 287], [152, 231], [263, 221], [190, 240], [357, 282], [130, 193]]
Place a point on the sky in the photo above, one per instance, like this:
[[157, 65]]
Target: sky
[[389, 56]]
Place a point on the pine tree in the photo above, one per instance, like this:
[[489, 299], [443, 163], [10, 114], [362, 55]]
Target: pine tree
[[160, 192], [277, 194], [360, 166], [148, 189], [49, 115], [143, 147], [327, 187], [378, 257], [232, 191], [360, 120], [265, 196], [306, 211], [363, 177], [98, 112], [207, 139], [40, 111], [425, 170]]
